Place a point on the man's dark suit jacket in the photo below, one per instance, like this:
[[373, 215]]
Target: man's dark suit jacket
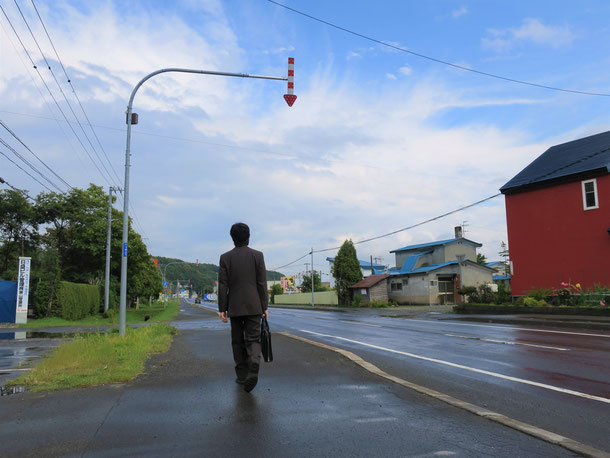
[[242, 282]]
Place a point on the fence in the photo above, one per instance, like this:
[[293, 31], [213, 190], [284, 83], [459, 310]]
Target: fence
[[321, 298]]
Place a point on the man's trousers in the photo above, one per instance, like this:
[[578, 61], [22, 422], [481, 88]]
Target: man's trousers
[[246, 343]]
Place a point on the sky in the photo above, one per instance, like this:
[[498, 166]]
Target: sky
[[379, 138]]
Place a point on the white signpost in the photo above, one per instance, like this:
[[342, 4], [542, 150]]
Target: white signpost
[[23, 290]]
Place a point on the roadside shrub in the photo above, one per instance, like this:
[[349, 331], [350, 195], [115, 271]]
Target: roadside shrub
[[40, 298], [467, 290], [533, 302], [357, 301], [77, 300], [539, 293], [379, 304]]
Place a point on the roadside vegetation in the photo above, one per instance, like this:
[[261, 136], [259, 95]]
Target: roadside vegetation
[[156, 312], [568, 295], [97, 359]]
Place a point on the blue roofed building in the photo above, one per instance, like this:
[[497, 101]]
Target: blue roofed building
[[432, 273]]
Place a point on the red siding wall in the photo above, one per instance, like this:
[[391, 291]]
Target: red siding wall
[[552, 239]]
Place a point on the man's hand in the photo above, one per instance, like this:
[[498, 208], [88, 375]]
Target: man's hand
[[267, 313], [223, 317]]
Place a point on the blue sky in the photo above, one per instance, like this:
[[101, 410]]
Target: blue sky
[[378, 139]]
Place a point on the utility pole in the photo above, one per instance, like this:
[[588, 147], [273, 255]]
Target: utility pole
[[107, 281], [312, 279]]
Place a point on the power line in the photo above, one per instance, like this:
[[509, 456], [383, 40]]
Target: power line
[[2, 180], [62, 92], [433, 59], [74, 92], [26, 172], [533, 180], [29, 164], [34, 154], [50, 93]]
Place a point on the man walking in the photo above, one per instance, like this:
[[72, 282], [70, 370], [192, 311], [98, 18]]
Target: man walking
[[242, 296]]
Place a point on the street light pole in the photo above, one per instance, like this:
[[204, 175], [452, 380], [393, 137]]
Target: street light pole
[[290, 100]]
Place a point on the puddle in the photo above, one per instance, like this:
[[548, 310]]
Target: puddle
[[20, 335], [5, 391]]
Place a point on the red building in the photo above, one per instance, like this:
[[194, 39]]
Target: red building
[[558, 217]]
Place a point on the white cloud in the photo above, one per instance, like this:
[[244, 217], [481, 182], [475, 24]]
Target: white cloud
[[531, 31], [459, 12], [405, 70], [390, 76]]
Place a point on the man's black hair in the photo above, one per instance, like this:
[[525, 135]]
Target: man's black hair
[[240, 233]]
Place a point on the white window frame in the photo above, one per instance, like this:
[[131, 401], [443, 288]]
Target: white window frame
[[584, 195]]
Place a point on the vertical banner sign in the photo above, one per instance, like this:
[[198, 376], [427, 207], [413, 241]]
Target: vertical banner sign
[[156, 261], [23, 290], [125, 250]]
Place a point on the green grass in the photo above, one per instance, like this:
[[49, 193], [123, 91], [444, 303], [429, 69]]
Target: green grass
[[156, 312], [98, 359]]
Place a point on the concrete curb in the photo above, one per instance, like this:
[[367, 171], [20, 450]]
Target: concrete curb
[[547, 436]]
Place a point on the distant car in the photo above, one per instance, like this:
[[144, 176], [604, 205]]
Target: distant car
[[197, 301]]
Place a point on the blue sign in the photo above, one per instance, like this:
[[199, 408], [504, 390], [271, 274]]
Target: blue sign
[[164, 283], [125, 250]]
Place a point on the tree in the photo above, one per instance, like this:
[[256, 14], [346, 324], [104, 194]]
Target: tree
[[18, 230], [481, 259], [306, 284], [276, 290], [346, 270]]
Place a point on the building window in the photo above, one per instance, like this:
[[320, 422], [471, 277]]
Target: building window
[[589, 195], [396, 286], [405, 282], [433, 282]]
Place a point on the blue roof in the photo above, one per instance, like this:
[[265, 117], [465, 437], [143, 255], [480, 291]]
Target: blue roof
[[396, 271], [430, 244], [560, 162], [494, 263], [501, 277], [363, 264]]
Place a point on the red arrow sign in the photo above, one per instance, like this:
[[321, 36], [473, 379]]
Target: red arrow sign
[[290, 98]]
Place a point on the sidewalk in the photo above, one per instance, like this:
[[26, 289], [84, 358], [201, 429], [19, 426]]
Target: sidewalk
[[309, 402]]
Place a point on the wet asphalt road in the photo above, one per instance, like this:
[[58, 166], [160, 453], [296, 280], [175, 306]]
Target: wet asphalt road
[[542, 376], [309, 402]]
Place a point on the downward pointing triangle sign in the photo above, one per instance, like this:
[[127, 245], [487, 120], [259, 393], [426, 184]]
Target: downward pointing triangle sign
[[290, 98]]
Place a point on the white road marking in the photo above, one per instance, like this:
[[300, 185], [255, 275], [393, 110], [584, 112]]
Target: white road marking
[[507, 342], [363, 324], [460, 366], [511, 327], [14, 370]]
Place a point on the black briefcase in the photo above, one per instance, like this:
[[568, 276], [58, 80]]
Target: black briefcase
[[266, 341]]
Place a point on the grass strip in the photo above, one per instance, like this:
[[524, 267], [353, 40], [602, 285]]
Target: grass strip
[[156, 313], [98, 359]]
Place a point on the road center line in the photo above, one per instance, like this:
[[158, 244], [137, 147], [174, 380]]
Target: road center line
[[468, 368], [506, 342], [511, 327]]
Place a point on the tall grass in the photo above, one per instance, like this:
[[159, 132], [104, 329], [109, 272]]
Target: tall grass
[[98, 359]]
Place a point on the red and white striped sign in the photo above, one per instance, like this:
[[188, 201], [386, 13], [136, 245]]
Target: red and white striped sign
[[290, 97]]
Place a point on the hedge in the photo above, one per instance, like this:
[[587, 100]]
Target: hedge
[[77, 300]]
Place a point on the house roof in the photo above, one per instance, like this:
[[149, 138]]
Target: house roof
[[565, 161], [363, 264], [369, 281], [431, 244], [431, 267], [500, 277]]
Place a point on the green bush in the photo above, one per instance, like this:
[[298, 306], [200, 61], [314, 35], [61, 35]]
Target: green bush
[[40, 298], [533, 302], [379, 304], [77, 300], [357, 301], [539, 293]]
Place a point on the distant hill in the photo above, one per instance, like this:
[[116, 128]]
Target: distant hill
[[202, 278]]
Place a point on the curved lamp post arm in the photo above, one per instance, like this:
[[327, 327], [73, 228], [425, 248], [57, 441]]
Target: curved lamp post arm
[[123, 295]]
